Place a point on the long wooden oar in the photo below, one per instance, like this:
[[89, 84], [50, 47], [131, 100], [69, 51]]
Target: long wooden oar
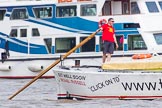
[[55, 63]]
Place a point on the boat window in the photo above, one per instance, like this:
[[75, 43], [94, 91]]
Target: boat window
[[125, 7], [134, 8], [158, 38], [35, 32], [43, 12], [23, 32], [88, 10], [48, 43], [160, 3], [89, 46], [19, 14], [64, 44], [2, 14], [13, 33], [106, 10], [135, 42], [131, 25], [152, 7], [66, 11]]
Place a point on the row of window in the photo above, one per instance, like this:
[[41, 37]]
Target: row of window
[[152, 7], [120, 7], [23, 32], [46, 12], [85, 10], [67, 11], [135, 42]]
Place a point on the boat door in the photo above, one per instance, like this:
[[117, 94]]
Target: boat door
[[125, 6]]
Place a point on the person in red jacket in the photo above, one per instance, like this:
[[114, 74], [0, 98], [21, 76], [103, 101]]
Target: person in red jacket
[[108, 39]]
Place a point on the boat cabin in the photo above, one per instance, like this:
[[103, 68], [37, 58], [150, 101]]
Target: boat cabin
[[41, 26]]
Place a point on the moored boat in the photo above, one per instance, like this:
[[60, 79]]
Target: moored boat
[[35, 33]]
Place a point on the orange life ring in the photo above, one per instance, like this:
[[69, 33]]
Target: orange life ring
[[141, 56], [101, 22]]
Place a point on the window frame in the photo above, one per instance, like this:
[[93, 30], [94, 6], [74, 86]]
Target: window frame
[[149, 5], [158, 38], [66, 8], [25, 32], [42, 7], [136, 9], [32, 32], [27, 17], [60, 48], [86, 13], [12, 35], [4, 14], [160, 4]]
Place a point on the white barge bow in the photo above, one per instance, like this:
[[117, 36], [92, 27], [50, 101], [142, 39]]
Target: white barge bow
[[94, 83]]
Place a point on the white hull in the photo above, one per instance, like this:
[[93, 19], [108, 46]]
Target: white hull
[[88, 83], [29, 67]]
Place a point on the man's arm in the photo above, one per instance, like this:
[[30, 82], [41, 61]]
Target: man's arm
[[116, 43]]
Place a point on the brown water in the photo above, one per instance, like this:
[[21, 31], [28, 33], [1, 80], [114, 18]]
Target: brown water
[[42, 94]]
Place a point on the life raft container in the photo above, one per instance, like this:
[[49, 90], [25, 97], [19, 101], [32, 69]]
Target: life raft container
[[101, 22], [141, 56]]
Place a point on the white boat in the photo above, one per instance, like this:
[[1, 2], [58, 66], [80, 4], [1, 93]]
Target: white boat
[[94, 83], [34, 33]]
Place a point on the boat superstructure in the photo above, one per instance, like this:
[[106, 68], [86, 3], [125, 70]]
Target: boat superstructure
[[34, 33]]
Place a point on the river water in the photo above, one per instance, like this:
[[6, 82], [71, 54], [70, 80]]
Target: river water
[[42, 94]]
